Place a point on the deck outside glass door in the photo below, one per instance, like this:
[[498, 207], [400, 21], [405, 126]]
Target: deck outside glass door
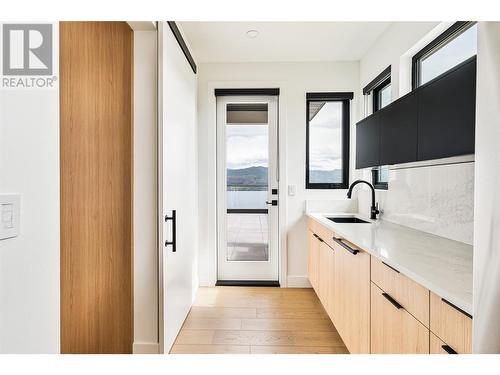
[[247, 188]]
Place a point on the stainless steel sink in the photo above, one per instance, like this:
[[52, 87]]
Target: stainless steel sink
[[347, 219]]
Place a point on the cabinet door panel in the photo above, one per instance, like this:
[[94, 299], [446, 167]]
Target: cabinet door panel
[[393, 330], [446, 114], [313, 260], [438, 347], [326, 270], [451, 325], [368, 142], [413, 296], [398, 131], [351, 309]]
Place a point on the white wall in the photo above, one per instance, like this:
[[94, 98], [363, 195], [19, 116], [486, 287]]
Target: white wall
[[29, 263], [145, 194], [294, 80], [487, 186], [436, 199]]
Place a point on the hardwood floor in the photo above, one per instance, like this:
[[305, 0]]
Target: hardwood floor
[[256, 320]]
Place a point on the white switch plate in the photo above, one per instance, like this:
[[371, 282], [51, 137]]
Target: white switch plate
[[292, 190], [10, 208]]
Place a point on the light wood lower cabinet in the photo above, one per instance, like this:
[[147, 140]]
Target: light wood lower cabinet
[[313, 259], [413, 296], [351, 303], [326, 276], [451, 325], [393, 329], [437, 346], [375, 308]]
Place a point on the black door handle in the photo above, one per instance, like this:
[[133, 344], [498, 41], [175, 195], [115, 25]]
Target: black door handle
[[174, 231], [274, 202]]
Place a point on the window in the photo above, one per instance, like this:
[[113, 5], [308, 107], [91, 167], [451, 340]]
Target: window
[[327, 140], [380, 177], [448, 50], [382, 95], [380, 90]]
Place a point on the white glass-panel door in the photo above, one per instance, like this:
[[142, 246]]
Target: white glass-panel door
[[247, 188]]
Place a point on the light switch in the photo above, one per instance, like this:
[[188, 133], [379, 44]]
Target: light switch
[[9, 215], [292, 190]]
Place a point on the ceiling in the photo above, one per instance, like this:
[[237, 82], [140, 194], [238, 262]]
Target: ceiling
[[281, 41]]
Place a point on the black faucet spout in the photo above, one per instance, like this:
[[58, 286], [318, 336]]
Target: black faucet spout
[[374, 208]]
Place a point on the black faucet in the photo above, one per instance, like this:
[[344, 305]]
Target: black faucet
[[374, 209]]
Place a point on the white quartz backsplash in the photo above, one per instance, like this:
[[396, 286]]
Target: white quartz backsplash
[[434, 199]]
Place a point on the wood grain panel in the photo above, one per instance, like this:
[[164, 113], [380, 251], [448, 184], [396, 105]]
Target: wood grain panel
[[96, 187], [450, 325], [395, 331], [313, 260], [436, 345], [351, 305], [322, 231], [412, 296]]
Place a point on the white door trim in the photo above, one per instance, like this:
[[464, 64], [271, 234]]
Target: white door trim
[[212, 178]]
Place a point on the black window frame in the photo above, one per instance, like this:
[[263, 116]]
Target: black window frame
[[439, 42], [377, 184], [344, 98], [376, 93]]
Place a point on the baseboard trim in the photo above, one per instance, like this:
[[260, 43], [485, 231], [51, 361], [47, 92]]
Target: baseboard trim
[[248, 283], [298, 282], [146, 348]]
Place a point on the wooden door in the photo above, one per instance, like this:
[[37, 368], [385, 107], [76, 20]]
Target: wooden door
[[351, 305], [393, 329], [96, 187]]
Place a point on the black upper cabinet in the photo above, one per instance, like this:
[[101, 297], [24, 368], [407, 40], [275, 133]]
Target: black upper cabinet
[[446, 114], [367, 142], [398, 131], [437, 120]]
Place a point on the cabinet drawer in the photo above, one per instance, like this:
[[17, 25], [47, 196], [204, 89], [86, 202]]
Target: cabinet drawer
[[324, 233], [393, 329], [451, 325], [411, 295], [437, 346]]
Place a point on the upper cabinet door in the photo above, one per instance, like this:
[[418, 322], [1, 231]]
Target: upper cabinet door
[[367, 142], [398, 131], [446, 114]]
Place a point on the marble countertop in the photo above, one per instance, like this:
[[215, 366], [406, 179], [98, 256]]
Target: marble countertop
[[441, 265]]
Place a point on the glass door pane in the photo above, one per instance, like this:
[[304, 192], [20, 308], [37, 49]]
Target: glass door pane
[[247, 162]]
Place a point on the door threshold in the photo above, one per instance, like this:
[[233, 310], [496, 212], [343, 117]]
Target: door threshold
[[248, 283]]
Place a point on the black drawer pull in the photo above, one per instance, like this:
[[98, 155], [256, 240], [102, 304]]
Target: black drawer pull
[[392, 268], [393, 301], [345, 246], [318, 237], [448, 349], [456, 308]]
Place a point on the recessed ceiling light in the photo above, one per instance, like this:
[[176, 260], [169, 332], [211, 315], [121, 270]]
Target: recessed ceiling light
[[252, 34]]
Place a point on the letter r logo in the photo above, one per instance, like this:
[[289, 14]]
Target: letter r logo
[[27, 49]]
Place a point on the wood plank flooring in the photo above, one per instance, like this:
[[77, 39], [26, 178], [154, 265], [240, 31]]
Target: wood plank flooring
[[257, 320]]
